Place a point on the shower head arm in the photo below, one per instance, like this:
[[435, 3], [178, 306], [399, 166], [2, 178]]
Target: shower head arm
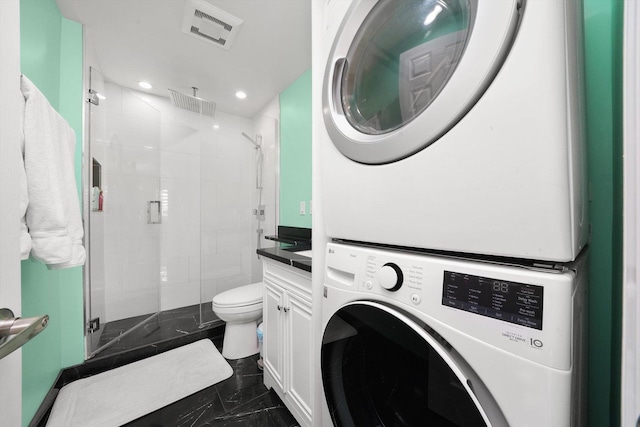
[[253, 141]]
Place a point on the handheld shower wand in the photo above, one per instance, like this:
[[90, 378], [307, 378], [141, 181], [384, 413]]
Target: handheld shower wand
[[259, 212]]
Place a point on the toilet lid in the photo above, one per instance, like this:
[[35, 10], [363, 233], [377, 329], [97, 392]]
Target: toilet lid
[[240, 296]]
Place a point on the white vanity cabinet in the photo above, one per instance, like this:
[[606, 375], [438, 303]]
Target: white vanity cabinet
[[287, 336]]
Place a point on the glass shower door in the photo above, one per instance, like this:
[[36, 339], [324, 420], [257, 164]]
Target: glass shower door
[[124, 213]]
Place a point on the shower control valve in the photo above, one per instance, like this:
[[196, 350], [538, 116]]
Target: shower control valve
[[390, 277]]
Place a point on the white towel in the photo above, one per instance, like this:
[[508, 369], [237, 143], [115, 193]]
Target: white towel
[[53, 214], [25, 238]]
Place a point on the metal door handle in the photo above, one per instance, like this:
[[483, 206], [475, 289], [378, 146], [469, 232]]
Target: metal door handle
[[339, 68], [21, 329], [154, 212]]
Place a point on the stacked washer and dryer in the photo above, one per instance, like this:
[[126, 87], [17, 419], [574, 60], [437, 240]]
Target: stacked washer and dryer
[[453, 192]]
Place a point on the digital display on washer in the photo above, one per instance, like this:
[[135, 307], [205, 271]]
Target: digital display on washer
[[512, 302]]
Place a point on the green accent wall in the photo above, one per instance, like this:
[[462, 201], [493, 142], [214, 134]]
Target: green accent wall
[[295, 152], [51, 57], [603, 59]]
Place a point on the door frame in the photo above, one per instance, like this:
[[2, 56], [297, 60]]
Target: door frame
[[630, 370], [10, 276]]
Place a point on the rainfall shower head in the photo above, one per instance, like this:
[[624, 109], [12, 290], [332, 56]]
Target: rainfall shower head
[[192, 103]]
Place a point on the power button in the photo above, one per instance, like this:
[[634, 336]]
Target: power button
[[415, 298]]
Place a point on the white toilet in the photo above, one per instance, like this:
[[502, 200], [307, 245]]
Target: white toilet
[[240, 308]]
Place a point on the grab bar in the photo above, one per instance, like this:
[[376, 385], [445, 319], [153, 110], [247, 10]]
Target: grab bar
[[21, 329]]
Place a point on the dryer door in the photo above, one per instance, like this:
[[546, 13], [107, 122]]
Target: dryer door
[[382, 368], [401, 73]]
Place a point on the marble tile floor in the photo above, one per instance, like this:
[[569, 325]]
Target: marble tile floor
[[241, 400], [168, 325]]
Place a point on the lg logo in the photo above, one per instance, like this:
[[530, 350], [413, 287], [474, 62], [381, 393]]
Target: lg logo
[[535, 343]]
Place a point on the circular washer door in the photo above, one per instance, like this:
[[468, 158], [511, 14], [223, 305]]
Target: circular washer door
[[401, 73], [381, 368]]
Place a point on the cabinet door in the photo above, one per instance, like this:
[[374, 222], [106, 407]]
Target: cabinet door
[[299, 372], [273, 332]]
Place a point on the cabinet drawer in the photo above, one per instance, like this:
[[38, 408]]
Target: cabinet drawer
[[291, 278]]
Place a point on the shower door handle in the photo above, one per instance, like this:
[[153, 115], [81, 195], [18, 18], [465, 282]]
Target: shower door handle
[[22, 330], [154, 214]]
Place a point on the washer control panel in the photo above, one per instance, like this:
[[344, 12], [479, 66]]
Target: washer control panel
[[398, 279], [523, 311], [505, 300]]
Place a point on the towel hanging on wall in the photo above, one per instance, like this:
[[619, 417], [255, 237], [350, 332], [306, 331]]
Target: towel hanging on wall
[[52, 215], [25, 238]]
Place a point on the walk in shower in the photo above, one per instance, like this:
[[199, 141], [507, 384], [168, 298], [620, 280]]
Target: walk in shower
[[176, 202]]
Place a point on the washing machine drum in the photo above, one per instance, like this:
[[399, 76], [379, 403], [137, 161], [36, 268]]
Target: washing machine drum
[[382, 368], [401, 73]]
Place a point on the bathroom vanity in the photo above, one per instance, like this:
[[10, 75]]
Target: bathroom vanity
[[287, 328]]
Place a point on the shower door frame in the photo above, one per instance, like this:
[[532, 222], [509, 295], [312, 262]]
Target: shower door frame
[[87, 176], [86, 212]]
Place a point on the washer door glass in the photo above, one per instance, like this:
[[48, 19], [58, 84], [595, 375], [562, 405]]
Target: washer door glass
[[380, 369], [402, 73], [402, 56]]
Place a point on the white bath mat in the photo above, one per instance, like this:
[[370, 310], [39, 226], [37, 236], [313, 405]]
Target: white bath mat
[[123, 394]]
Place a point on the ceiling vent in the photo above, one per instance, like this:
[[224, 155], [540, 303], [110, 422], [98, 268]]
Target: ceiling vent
[[209, 23]]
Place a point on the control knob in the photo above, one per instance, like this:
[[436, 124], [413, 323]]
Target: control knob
[[390, 277]]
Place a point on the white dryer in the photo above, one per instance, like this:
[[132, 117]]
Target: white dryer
[[417, 340], [457, 125]]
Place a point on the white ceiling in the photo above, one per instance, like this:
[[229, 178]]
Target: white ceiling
[[137, 40]]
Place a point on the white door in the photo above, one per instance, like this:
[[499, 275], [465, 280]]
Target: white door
[[273, 332], [380, 367], [10, 366], [299, 364]]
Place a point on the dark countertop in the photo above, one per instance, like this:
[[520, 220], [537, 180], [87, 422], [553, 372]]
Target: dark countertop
[[288, 256]]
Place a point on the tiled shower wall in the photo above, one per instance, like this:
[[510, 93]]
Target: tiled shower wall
[[204, 178]]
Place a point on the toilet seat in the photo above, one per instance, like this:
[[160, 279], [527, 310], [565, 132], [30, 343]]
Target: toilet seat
[[243, 296], [243, 310]]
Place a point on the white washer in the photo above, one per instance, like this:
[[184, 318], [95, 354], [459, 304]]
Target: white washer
[[457, 125], [415, 340]]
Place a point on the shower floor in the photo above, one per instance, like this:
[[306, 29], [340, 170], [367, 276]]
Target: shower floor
[[168, 325]]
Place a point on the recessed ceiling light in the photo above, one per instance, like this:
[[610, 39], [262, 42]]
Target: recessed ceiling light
[[216, 126], [241, 95], [145, 85]]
